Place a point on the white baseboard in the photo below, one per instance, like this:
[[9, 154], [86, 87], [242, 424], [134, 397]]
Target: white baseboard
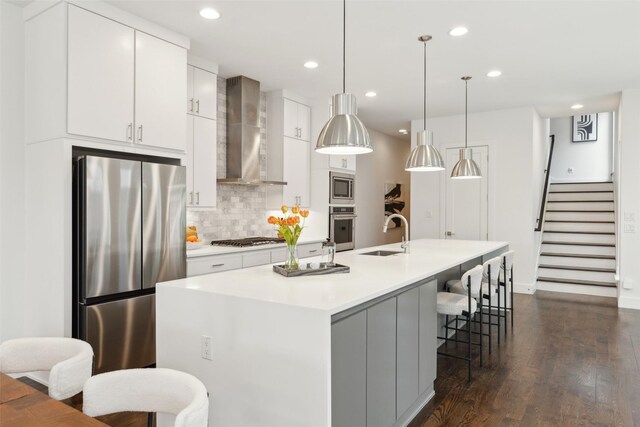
[[524, 288], [629, 302], [599, 291]]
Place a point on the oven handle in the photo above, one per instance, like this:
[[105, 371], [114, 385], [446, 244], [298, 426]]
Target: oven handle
[[339, 216]]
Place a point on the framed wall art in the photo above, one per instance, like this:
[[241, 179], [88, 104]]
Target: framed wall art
[[585, 128]]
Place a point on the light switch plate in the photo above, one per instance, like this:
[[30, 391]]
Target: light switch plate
[[629, 228], [627, 284]]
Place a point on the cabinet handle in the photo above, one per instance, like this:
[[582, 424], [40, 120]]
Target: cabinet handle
[[140, 133], [130, 131], [313, 251], [198, 106], [299, 132], [191, 105], [217, 265], [191, 197], [197, 197], [344, 163]]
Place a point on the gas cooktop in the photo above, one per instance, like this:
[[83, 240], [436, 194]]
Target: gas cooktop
[[248, 241]]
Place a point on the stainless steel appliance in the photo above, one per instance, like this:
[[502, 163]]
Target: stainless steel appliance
[[342, 188], [129, 234], [342, 227], [248, 241]]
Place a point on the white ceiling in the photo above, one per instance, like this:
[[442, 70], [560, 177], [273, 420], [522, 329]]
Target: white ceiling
[[552, 53]]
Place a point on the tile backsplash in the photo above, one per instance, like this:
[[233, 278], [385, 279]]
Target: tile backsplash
[[240, 210]]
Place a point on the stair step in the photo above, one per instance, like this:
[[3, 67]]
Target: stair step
[[579, 216], [586, 227], [580, 191], [573, 273], [577, 282], [573, 268], [579, 206], [549, 242], [556, 254], [580, 221], [581, 186], [579, 232], [578, 249], [572, 261], [582, 238]]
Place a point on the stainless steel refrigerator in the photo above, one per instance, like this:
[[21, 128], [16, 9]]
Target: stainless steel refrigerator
[[129, 234]]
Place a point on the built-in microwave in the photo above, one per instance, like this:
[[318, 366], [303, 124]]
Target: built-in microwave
[[342, 186]]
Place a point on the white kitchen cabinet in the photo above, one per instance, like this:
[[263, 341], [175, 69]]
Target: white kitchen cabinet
[[202, 92], [251, 259], [297, 120], [344, 162], [201, 162], [289, 151], [307, 250], [101, 75], [213, 264], [160, 85], [104, 77], [295, 172]]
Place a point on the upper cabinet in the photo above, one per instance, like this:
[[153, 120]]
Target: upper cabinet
[[202, 88], [297, 120], [105, 80], [343, 162], [289, 150]]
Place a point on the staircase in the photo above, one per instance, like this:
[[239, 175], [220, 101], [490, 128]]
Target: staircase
[[578, 251]]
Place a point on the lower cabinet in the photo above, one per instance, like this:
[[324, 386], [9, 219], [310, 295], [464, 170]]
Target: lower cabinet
[[197, 266], [383, 358]]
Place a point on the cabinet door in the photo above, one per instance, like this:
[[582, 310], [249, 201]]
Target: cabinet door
[[347, 162], [161, 87], [349, 371], [189, 160], [204, 162], [381, 364], [428, 334], [190, 100], [304, 122], [407, 349], [295, 172], [291, 118], [100, 77], [205, 92]]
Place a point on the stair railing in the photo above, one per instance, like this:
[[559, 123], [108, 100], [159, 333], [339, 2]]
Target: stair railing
[[545, 189]]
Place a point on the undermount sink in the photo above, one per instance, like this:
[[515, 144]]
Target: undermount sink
[[382, 253]]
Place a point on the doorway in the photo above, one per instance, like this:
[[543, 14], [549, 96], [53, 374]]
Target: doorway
[[467, 200]]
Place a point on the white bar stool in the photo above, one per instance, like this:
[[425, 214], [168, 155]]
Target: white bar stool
[[453, 304]]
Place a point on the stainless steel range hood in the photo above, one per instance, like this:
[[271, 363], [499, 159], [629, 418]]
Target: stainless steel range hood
[[243, 133]]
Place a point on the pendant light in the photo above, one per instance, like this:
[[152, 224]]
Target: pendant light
[[344, 133], [466, 168], [425, 157]]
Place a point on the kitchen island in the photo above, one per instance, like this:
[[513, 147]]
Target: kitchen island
[[345, 349]]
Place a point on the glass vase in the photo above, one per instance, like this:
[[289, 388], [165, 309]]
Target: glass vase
[[291, 263]]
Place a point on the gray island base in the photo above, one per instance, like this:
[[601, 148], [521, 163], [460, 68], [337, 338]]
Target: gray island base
[[355, 349]]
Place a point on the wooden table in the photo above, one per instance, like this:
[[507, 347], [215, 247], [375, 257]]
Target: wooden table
[[21, 405]]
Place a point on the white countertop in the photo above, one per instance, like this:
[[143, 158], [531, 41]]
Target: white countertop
[[208, 250], [370, 276]]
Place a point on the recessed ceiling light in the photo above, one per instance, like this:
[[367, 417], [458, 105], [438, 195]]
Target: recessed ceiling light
[[458, 31], [494, 73], [403, 131], [370, 94], [310, 64], [209, 13], [576, 106]]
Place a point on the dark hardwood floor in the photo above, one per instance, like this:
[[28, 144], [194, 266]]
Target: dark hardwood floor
[[571, 360]]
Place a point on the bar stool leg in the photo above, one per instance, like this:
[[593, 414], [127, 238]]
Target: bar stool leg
[[446, 330], [512, 307]]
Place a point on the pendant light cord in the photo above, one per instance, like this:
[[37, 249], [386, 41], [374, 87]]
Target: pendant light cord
[[344, 45], [424, 106], [466, 97]]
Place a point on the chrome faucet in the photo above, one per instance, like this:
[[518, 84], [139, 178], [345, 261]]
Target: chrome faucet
[[405, 239]]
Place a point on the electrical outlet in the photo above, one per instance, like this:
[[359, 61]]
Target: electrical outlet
[[429, 214], [205, 348], [629, 216], [629, 228]]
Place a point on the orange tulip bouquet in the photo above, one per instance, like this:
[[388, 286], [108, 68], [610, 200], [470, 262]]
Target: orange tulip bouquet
[[289, 228]]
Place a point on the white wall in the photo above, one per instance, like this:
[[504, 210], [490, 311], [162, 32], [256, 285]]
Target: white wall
[[385, 164], [629, 198], [509, 135], [590, 161], [12, 178]]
